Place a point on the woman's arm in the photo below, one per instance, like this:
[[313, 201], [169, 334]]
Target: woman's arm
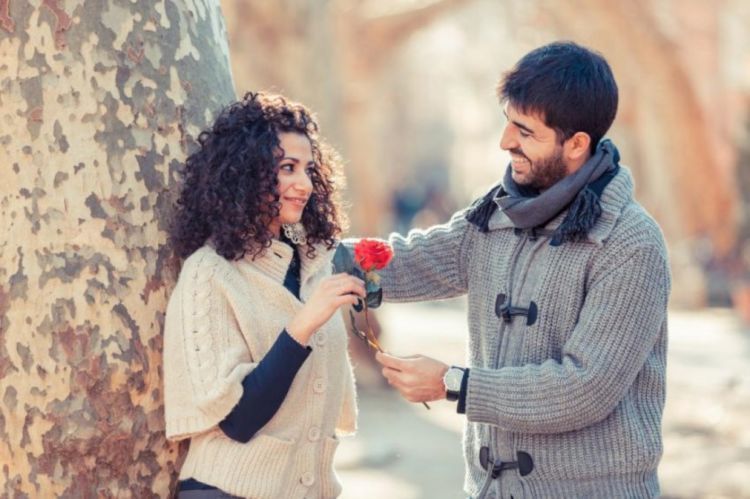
[[265, 388], [205, 352]]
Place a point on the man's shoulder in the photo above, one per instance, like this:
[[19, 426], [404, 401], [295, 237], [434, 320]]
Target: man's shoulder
[[635, 242], [636, 231], [637, 220]]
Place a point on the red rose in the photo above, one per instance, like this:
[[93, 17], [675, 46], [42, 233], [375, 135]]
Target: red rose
[[372, 254]]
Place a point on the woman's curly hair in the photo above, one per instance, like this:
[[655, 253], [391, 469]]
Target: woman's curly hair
[[229, 194]]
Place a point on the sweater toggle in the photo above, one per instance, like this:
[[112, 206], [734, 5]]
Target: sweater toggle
[[524, 463], [506, 311]]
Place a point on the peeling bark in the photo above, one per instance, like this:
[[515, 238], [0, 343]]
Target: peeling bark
[[62, 22], [6, 22], [101, 101]]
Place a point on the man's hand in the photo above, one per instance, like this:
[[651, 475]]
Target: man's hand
[[417, 378]]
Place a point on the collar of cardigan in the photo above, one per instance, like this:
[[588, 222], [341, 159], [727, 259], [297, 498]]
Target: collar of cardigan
[[617, 194], [276, 259]]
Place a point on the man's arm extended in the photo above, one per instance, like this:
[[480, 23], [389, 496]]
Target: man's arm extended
[[428, 264]]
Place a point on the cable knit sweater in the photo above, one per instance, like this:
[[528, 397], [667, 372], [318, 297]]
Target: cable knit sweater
[[581, 389], [222, 318]]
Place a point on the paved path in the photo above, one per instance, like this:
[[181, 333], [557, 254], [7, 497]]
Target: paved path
[[404, 451]]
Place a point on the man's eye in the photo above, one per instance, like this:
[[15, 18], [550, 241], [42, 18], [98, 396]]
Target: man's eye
[[524, 134]]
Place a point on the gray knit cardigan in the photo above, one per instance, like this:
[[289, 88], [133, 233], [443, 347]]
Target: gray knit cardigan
[[581, 387]]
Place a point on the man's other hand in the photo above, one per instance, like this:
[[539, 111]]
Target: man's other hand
[[417, 378]]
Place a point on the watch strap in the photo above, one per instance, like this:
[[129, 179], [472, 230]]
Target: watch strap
[[461, 409]]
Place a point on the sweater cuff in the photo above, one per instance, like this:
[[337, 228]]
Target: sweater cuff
[[297, 352], [482, 395]]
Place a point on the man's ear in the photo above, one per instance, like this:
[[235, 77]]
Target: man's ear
[[577, 147]]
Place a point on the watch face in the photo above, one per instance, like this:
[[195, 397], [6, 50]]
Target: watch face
[[453, 379]]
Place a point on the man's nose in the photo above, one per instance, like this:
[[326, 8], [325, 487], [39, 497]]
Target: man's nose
[[508, 140]]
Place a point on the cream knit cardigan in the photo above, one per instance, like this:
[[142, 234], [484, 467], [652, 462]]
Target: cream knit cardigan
[[222, 318]]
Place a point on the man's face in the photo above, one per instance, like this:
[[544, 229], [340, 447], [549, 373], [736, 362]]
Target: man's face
[[536, 155]]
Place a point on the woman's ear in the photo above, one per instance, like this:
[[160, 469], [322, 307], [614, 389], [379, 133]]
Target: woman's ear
[[577, 147]]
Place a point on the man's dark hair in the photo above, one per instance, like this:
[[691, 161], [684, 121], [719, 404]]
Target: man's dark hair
[[571, 87]]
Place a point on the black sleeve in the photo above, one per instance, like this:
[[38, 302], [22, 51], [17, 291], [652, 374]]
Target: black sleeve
[[265, 388], [462, 394]]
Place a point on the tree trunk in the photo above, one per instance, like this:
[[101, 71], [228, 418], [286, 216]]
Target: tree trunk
[[98, 106]]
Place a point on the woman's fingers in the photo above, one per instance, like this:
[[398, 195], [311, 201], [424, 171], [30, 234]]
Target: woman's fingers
[[347, 299], [348, 284], [338, 290], [355, 288]]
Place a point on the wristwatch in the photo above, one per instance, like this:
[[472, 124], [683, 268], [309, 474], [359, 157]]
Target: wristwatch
[[452, 381]]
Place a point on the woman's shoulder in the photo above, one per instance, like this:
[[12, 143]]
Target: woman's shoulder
[[205, 263]]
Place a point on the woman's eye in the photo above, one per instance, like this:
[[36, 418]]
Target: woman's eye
[[287, 167]]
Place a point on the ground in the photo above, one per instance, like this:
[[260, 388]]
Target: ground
[[404, 451]]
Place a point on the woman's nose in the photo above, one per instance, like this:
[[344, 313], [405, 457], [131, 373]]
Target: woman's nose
[[304, 182]]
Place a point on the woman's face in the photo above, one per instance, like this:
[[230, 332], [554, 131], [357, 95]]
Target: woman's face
[[294, 182]]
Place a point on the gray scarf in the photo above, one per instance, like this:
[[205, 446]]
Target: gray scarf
[[579, 192]]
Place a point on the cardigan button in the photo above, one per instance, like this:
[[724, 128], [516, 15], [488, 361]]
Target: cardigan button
[[319, 386], [307, 479], [321, 338], [314, 434]]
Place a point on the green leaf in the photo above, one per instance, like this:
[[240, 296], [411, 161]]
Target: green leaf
[[371, 287], [343, 261], [375, 298], [359, 306]]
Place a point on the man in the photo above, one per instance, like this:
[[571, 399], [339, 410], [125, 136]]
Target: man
[[568, 281]]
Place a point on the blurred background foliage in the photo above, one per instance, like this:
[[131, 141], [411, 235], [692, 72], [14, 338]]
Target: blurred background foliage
[[405, 90]]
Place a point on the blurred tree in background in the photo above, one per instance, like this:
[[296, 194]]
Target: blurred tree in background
[[405, 89], [331, 55], [99, 101]]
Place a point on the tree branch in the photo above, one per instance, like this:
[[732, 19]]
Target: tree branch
[[389, 31]]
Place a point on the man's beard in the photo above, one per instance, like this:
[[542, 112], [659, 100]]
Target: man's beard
[[545, 172]]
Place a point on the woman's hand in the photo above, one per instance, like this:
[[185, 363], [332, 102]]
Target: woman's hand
[[331, 293]]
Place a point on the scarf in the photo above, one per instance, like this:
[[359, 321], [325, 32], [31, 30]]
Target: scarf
[[578, 192]]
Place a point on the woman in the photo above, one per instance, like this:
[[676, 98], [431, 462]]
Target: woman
[[255, 365]]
